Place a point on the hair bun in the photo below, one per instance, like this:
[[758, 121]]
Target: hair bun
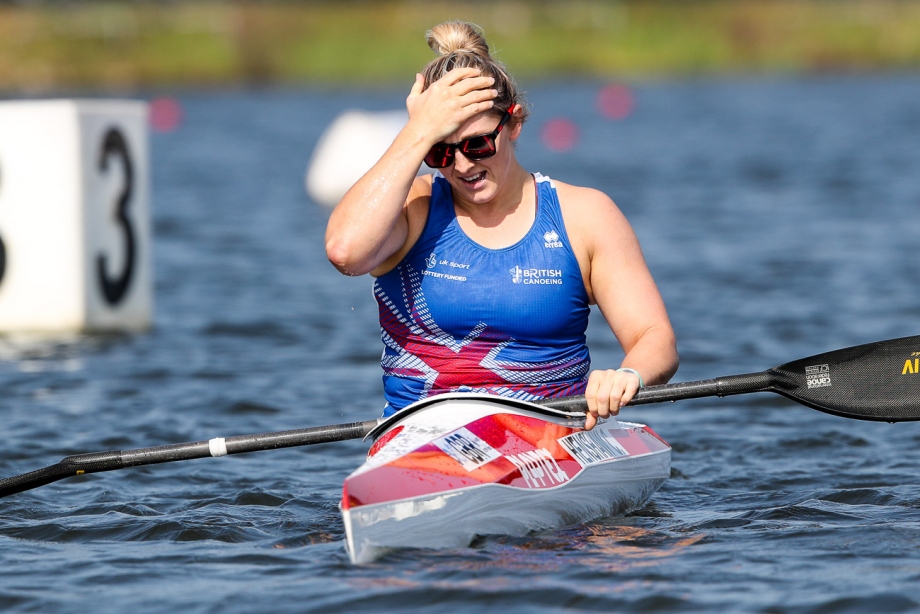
[[457, 36], [463, 45]]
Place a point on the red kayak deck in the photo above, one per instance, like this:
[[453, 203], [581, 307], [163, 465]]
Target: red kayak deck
[[435, 473]]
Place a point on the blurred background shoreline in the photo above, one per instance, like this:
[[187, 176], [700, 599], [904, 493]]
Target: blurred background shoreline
[[48, 47]]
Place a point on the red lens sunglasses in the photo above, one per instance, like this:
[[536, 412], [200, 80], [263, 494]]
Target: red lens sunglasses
[[477, 147]]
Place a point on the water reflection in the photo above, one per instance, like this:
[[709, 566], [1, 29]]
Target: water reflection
[[779, 217], [615, 545]]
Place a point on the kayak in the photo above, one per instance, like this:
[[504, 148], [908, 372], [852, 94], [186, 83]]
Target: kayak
[[449, 468]]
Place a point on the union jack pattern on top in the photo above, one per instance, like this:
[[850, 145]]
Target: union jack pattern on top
[[456, 316]]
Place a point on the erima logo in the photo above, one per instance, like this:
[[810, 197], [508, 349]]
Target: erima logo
[[551, 239]]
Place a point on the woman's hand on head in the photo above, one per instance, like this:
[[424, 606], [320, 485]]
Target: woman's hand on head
[[449, 102], [608, 390]]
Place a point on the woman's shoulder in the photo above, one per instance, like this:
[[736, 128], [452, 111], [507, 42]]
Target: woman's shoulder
[[591, 217], [417, 203], [419, 197], [421, 186], [584, 201]]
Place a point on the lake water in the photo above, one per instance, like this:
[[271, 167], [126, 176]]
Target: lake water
[[781, 218]]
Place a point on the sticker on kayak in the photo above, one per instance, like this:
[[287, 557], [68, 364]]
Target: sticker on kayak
[[467, 449], [594, 446], [538, 468]]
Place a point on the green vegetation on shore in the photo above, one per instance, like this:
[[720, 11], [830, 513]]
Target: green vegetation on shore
[[117, 45]]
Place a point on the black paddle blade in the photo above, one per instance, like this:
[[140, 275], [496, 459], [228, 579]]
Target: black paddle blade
[[877, 381]]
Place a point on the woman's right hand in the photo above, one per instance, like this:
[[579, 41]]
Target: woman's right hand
[[371, 224], [448, 103]]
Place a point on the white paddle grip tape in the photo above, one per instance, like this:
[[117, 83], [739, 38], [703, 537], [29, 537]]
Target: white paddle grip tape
[[218, 446]]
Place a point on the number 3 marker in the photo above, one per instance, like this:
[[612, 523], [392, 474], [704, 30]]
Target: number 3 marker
[[114, 289]]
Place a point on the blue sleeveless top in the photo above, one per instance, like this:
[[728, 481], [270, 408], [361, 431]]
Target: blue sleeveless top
[[457, 316]]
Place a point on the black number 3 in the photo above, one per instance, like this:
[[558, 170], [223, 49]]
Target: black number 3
[[114, 288]]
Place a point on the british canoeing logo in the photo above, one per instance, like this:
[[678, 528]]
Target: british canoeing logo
[[539, 277]]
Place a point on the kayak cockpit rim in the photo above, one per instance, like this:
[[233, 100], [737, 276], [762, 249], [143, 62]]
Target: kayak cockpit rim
[[556, 414]]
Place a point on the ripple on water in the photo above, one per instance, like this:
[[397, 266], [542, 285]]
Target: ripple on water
[[779, 218]]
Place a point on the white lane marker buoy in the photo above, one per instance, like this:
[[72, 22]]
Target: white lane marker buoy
[[349, 147]]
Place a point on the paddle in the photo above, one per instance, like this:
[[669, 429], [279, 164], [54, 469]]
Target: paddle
[[96, 462], [876, 381]]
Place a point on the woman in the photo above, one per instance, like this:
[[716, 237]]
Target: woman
[[485, 273]]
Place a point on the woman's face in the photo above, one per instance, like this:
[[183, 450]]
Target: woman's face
[[478, 181]]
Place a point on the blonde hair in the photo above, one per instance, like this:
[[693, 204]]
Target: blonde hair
[[463, 45]]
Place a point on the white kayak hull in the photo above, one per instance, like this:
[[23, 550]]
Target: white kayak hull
[[456, 466]]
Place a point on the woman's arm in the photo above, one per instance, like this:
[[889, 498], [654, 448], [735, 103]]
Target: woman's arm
[[370, 223], [618, 281]]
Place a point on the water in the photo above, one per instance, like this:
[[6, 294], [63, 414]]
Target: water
[[780, 218]]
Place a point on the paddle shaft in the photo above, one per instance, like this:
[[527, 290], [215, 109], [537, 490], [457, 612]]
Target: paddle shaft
[[876, 381], [97, 462], [720, 387]]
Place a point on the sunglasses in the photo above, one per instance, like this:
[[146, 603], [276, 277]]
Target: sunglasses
[[477, 147]]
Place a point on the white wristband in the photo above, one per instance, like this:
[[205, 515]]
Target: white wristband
[[634, 372]]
